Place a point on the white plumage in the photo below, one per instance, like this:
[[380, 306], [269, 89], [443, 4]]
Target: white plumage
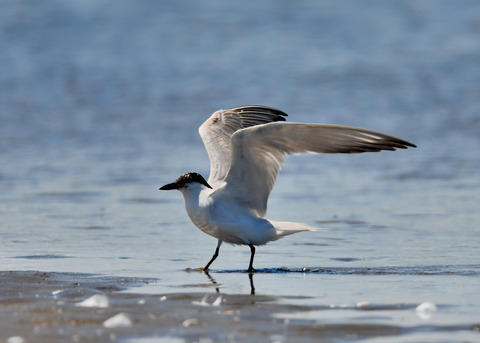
[[246, 146]]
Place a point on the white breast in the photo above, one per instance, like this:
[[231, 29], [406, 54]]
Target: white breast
[[226, 220]]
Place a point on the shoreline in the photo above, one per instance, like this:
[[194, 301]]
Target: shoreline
[[48, 306]]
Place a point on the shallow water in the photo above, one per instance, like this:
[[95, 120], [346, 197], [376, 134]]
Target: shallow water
[[99, 107]]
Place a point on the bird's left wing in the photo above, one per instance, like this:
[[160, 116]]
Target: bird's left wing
[[217, 131], [258, 153]]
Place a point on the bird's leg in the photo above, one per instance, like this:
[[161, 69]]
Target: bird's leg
[[250, 266], [215, 255]]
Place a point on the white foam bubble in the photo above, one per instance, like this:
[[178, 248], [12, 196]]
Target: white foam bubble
[[15, 339], [190, 322], [121, 320], [426, 310], [97, 300]]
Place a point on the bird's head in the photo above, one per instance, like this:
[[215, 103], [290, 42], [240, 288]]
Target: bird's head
[[186, 181]]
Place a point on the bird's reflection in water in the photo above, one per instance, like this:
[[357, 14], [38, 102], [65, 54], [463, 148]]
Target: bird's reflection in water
[[217, 285]]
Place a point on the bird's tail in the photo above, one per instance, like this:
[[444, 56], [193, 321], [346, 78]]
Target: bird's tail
[[289, 228]]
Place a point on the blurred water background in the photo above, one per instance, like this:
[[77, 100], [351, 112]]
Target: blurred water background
[[100, 102]]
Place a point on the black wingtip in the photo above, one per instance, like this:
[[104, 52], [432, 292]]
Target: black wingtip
[[403, 144], [274, 113]]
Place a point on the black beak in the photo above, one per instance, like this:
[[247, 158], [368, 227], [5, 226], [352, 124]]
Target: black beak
[[168, 187]]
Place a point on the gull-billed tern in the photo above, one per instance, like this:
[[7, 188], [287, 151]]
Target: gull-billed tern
[[246, 146]]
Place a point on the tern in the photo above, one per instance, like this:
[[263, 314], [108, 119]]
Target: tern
[[246, 146]]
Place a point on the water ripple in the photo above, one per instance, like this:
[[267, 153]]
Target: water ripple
[[461, 270]]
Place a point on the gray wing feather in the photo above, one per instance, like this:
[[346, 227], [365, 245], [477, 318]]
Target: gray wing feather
[[259, 151], [217, 131]]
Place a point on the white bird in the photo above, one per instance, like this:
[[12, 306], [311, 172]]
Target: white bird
[[246, 146]]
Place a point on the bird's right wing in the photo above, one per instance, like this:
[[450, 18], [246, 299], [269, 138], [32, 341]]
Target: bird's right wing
[[217, 131], [258, 153]]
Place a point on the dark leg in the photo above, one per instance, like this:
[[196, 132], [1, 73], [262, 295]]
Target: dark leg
[[252, 287], [250, 266], [215, 255]]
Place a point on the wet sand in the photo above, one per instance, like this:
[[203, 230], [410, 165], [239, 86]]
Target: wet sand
[[46, 307]]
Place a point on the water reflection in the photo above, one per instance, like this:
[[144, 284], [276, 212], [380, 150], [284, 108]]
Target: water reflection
[[217, 285], [212, 280]]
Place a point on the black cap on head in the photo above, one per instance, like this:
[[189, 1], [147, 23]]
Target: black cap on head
[[186, 179]]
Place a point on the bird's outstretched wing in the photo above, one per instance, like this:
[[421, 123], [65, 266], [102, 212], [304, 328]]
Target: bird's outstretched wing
[[258, 153], [217, 131]]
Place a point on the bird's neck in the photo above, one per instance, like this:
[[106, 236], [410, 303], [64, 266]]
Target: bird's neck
[[197, 202], [197, 197]]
